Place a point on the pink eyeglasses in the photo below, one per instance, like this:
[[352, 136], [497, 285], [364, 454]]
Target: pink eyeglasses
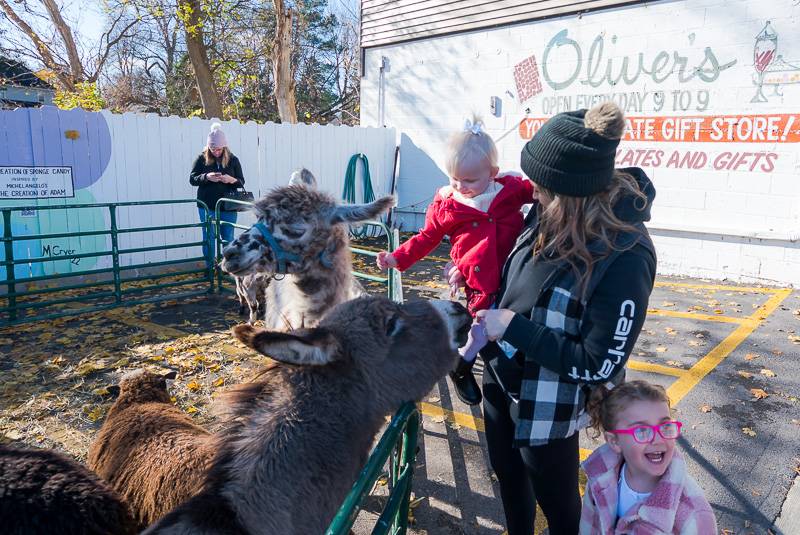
[[646, 434]]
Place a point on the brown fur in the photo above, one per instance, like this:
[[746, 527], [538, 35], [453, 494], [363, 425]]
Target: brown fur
[[150, 451], [297, 437], [43, 492]]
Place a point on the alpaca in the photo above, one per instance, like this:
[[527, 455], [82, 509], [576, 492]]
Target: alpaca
[[44, 492], [251, 290], [301, 240], [298, 436], [148, 449]]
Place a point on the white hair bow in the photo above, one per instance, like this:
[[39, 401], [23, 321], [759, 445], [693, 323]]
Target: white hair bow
[[475, 127]]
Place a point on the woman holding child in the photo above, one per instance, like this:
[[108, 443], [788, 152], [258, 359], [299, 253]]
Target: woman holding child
[[563, 315]]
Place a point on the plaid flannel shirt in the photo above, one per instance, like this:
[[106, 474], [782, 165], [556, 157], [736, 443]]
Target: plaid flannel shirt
[[550, 406]]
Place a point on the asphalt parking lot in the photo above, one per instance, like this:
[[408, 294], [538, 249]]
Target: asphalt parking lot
[[727, 355]]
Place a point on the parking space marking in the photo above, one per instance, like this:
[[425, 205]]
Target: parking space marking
[[682, 386], [696, 316], [720, 287], [467, 420], [649, 367]]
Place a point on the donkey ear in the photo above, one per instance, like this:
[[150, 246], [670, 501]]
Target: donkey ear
[[113, 390], [315, 347], [171, 375], [353, 213]]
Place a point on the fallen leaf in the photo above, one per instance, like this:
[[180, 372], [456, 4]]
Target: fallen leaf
[[191, 409], [705, 408], [694, 343], [438, 419], [102, 391], [794, 338], [746, 375], [700, 335], [759, 393], [749, 432], [219, 382], [193, 386], [674, 363], [768, 373], [670, 331], [661, 349], [751, 356], [434, 399], [667, 304], [777, 352], [718, 311], [696, 307], [795, 421]]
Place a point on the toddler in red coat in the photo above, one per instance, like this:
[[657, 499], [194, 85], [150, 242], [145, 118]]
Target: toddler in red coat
[[480, 212]]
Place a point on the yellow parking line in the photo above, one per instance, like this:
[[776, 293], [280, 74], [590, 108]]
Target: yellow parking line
[[678, 390], [467, 420], [695, 316], [640, 366], [460, 418], [722, 287]]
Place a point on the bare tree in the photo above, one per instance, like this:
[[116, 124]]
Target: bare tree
[[57, 49], [191, 15], [282, 63]]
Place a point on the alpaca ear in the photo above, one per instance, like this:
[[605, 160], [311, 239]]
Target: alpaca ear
[[314, 347], [353, 213]]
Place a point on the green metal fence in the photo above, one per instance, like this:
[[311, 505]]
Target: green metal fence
[[398, 445], [112, 285]]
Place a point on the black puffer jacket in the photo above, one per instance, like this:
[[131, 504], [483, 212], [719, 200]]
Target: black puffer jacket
[[210, 192]]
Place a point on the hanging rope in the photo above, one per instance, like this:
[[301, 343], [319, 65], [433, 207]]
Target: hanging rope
[[349, 192]]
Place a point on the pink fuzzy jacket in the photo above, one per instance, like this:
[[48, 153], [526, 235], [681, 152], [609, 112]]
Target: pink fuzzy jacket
[[676, 506]]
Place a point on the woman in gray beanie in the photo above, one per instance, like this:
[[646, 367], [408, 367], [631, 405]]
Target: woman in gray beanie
[[572, 301], [216, 173]]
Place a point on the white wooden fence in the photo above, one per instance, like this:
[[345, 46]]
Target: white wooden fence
[[137, 157]]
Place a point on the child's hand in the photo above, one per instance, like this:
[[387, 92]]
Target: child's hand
[[385, 261], [476, 340], [454, 278]]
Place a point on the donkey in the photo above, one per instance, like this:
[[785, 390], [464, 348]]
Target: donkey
[[302, 235], [297, 437]]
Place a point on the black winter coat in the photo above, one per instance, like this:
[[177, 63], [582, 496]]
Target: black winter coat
[[210, 192]]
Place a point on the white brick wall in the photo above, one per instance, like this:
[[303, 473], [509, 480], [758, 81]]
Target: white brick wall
[[711, 221]]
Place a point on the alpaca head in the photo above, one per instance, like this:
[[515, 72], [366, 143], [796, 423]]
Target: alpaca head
[[298, 230]]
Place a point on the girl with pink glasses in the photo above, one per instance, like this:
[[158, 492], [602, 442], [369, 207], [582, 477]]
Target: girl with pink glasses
[[637, 481]]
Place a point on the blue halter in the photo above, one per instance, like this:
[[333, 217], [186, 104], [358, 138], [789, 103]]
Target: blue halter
[[281, 255]]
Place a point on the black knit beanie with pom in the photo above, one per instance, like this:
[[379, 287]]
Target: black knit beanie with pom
[[573, 153]]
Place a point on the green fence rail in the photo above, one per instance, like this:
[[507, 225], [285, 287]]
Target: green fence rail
[[398, 445], [113, 287]]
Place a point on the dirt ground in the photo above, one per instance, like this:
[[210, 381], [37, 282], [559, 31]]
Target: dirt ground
[[727, 354]]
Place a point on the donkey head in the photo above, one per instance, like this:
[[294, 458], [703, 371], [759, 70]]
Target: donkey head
[[298, 227], [398, 351], [142, 386]]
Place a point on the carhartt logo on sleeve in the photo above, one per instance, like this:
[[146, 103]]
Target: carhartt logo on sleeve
[[616, 352]]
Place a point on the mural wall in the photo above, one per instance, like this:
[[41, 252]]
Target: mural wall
[[55, 157], [711, 90]]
